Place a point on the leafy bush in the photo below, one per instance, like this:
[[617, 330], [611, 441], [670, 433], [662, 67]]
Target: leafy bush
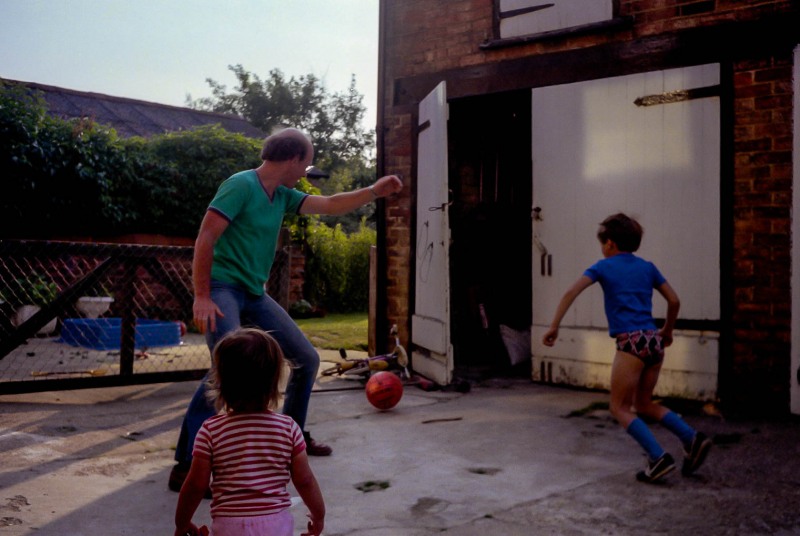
[[32, 290], [188, 166], [77, 178], [337, 267], [57, 174]]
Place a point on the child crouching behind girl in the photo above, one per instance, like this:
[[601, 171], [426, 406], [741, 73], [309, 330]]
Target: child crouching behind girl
[[251, 451]]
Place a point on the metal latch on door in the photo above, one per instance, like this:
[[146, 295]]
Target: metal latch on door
[[545, 259]]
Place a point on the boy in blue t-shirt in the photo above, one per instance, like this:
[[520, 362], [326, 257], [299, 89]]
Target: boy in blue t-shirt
[[628, 284]]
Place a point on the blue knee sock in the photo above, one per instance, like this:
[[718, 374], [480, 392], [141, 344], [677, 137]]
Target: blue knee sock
[[678, 426], [638, 430]]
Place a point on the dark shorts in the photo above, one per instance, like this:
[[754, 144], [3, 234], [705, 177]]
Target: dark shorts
[[644, 344]]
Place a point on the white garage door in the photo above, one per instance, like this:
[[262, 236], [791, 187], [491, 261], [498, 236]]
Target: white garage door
[[647, 145]]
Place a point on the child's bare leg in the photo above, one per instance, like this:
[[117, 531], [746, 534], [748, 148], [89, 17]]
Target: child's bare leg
[[625, 374], [644, 394], [695, 445], [645, 406]]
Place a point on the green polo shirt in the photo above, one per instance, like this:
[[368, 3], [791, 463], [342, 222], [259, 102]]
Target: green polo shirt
[[244, 253]]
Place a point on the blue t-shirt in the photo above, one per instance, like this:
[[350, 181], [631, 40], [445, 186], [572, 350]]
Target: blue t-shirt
[[628, 284], [244, 253]]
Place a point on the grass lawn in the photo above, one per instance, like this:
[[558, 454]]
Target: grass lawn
[[334, 331]]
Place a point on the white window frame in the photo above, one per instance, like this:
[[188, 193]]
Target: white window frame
[[518, 18]]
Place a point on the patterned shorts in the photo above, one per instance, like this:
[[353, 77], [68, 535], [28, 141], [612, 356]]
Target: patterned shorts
[[646, 344]]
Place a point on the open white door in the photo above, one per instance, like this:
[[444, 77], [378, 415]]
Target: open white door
[[432, 354]]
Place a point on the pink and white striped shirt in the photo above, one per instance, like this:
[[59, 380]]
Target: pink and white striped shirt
[[250, 455]]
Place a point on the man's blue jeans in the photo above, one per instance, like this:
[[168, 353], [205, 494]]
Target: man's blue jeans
[[243, 309]]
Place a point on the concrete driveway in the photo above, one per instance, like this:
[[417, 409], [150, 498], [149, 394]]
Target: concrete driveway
[[503, 459]]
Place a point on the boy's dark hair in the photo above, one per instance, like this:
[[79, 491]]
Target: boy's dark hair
[[247, 370], [285, 145], [623, 230]]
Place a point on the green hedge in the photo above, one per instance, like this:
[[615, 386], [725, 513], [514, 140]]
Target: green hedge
[[77, 178], [337, 267], [189, 167]]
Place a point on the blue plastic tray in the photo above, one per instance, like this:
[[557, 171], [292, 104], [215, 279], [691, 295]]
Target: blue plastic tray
[[104, 333]]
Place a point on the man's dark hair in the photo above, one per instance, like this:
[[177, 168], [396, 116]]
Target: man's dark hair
[[285, 145], [623, 230]]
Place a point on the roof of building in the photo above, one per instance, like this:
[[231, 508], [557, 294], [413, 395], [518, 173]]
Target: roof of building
[[131, 117]]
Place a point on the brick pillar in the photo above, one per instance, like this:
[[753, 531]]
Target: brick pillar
[[762, 247]]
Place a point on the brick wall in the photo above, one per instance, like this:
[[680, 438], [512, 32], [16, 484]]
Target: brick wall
[[436, 35], [398, 136], [423, 37], [762, 218]]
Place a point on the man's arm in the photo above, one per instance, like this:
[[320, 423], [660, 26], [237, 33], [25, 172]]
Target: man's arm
[[206, 311], [345, 202]]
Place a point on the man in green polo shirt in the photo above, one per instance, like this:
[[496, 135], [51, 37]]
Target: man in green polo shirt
[[233, 255]]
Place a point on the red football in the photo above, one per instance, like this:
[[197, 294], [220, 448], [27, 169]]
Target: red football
[[384, 390]]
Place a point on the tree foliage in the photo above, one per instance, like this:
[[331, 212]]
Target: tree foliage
[[337, 267], [77, 178], [55, 172], [191, 165], [343, 148], [334, 121]]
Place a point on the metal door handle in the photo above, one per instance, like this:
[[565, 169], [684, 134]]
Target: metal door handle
[[545, 258]]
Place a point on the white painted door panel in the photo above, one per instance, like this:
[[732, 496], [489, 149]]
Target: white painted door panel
[[432, 355], [596, 152]]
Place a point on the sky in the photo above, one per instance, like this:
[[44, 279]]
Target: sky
[[164, 50]]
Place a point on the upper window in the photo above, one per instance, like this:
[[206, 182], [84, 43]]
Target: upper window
[[529, 17]]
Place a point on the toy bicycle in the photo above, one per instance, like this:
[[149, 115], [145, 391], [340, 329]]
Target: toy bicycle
[[396, 359]]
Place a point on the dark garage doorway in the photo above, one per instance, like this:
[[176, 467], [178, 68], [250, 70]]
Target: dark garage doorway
[[490, 176]]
